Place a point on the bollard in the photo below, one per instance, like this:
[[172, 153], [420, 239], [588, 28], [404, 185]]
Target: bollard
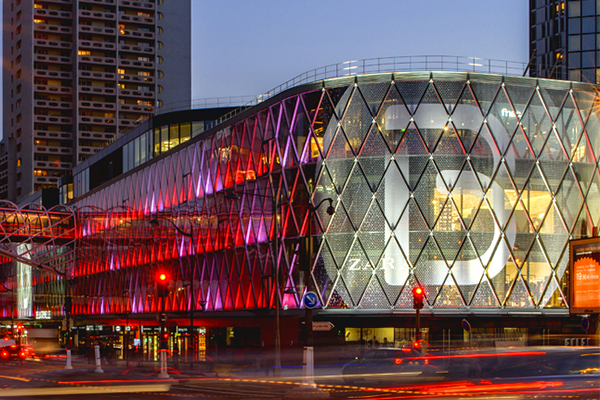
[[68, 366], [98, 359], [163, 365]]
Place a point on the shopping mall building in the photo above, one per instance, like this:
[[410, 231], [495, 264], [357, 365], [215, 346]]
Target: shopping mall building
[[469, 184]]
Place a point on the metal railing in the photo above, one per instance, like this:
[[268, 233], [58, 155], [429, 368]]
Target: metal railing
[[390, 64], [351, 68]]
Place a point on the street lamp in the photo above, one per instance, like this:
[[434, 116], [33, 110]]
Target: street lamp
[[235, 196], [308, 368], [154, 222]]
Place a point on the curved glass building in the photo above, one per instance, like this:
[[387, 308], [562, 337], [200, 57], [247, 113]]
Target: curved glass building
[[468, 184]]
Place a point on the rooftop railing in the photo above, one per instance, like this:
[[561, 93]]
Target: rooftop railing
[[356, 67], [390, 64]]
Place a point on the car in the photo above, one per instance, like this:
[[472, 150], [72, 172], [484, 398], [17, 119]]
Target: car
[[16, 352], [387, 364]]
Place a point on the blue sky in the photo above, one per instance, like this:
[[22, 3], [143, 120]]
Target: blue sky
[[248, 47]]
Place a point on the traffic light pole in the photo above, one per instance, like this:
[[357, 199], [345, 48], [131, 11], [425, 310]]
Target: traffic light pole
[[162, 351], [418, 333]]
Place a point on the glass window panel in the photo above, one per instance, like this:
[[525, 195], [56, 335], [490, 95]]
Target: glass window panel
[[197, 128], [588, 25], [136, 152], [574, 26], [588, 42], [164, 138], [574, 60], [131, 155], [144, 148], [574, 43], [588, 7], [588, 59], [574, 75], [574, 8], [157, 141], [185, 132], [125, 159], [588, 75], [173, 135]]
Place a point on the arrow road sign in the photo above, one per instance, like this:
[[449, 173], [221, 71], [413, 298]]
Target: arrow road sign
[[311, 300], [322, 326]]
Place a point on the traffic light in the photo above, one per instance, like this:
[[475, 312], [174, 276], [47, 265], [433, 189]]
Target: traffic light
[[164, 340], [418, 293], [162, 282]]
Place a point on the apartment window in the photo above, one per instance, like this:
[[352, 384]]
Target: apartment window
[[143, 73], [38, 21], [144, 103], [84, 52]]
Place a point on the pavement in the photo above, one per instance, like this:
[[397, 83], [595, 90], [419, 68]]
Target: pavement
[[82, 370]]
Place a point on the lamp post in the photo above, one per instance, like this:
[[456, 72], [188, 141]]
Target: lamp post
[[308, 375], [154, 222], [235, 196]]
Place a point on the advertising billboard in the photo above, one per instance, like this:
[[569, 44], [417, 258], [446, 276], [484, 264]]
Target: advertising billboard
[[584, 263]]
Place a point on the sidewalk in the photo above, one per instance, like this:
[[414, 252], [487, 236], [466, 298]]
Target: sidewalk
[[119, 370]]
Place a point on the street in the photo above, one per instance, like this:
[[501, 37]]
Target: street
[[48, 379]]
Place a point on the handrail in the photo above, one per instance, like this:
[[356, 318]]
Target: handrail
[[351, 68], [390, 64]]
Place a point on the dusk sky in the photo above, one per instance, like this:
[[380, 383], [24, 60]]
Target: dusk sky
[[247, 47]]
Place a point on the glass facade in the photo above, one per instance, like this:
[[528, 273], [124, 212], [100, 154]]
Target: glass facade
[[564, 39], [470, 185]]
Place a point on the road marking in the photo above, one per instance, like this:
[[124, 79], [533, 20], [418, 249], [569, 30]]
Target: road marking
[[49, 391], [14, 377]]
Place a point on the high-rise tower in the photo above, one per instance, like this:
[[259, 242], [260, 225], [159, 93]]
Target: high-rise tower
[[564, 42], [78, 72]]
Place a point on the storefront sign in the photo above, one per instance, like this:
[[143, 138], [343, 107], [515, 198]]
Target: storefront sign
[[43, 315], [584, 263]]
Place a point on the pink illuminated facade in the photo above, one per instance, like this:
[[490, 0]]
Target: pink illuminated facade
[[470, 185]]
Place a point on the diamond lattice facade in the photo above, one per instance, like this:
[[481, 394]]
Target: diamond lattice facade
[[470, 185]]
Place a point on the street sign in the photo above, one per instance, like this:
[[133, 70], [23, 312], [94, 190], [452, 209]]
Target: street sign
[[466, 325], [585, 324], [322, 326], [311, 300]]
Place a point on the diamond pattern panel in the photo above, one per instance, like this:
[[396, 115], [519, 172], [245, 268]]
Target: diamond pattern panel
[[471, 187]]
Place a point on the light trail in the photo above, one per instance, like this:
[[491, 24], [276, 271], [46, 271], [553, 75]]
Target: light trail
[[54, 391]]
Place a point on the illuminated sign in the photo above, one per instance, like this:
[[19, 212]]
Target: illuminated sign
[[43, 315], [584, 263]]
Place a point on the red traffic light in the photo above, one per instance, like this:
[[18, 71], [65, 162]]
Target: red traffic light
[[418, 294]]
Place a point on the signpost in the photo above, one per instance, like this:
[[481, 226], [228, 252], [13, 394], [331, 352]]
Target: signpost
[[311, 300], [323, 326]]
